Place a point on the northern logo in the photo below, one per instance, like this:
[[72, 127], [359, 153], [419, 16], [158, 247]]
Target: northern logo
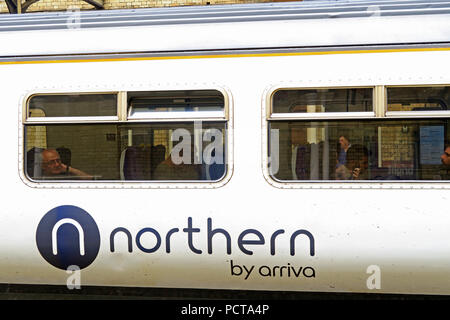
[[68, 235]]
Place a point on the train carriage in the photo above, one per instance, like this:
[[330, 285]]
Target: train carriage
[[295, 147]]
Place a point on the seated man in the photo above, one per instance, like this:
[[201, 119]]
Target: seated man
[[53, 168], [357, 163]]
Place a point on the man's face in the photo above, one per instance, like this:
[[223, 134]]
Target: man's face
[[445, 157], [364, 163], [343, 142], [51, 163]]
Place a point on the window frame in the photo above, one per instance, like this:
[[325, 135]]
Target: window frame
[[122, 119], [379, 113]]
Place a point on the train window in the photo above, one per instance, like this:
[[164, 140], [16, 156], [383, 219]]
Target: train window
[[377, 148], [73, 105], [418, 98], [142, 147], [179, 104], [323, 100]]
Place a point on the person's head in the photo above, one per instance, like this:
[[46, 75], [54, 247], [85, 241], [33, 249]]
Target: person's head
[[357, 157], [344, 142], [445, 157], [50, 162]]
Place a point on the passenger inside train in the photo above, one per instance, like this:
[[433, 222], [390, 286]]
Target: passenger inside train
[[53, 168], [404, 143], [88, 137]]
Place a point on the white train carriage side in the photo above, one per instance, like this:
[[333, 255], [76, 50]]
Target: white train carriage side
[[278, 147]]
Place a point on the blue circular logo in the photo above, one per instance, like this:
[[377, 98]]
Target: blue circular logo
[[66, 236]]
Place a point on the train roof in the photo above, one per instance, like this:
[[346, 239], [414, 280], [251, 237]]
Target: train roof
[[305, 24], [224, 13]]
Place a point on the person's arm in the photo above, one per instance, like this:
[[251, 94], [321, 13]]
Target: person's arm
[[76, 172]]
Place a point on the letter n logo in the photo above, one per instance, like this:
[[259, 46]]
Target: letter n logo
[[66, 236]]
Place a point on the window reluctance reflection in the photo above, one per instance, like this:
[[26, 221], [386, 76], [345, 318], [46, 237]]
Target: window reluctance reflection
[[418, 98], [145, 152], [192, 103], [359, 150], [322, 100], [73, 105]]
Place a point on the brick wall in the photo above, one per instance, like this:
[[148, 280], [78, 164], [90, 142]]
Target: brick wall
[[51, 5], [129, 4], [62, 5], [3, 7]]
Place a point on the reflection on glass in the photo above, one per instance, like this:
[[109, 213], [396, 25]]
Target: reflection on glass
[[323, 100], [143, 152], [75, 105], [142, 102], [418, 98], [359, 150]]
